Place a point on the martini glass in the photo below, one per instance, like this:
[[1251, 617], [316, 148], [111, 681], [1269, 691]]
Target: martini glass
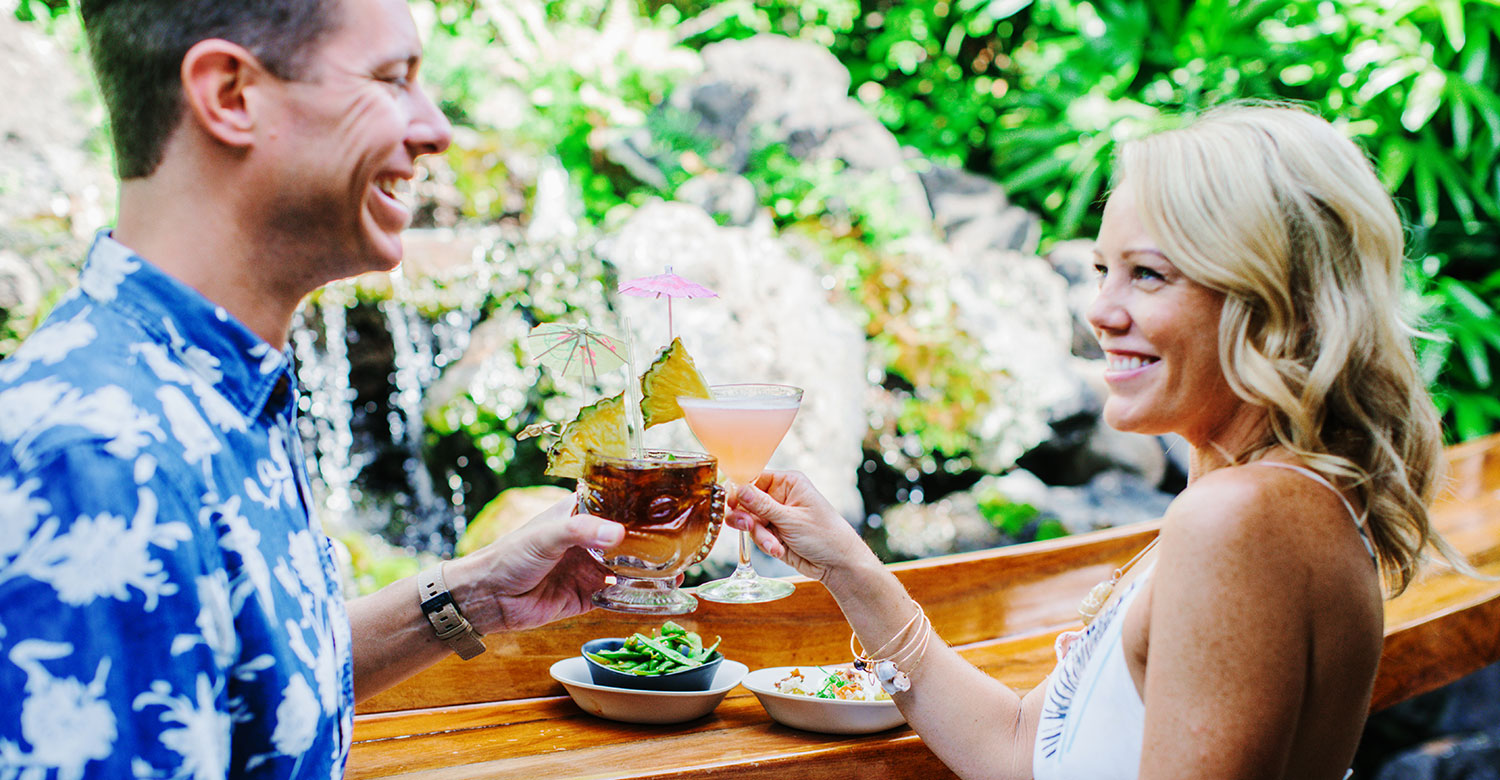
[[742, 425]]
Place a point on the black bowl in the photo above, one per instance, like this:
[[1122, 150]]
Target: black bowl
[[697, 678]]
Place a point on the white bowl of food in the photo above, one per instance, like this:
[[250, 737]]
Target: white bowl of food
[[644, 706], [826, 699]]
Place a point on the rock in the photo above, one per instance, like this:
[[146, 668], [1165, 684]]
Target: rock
[[1085, 447], [1473, 756], [54, 193], [1110, 499], [951, 524], [974, 214], [769, 90], [773, 321], [508, 511], [727, 196], [1013, 304], [1074, 261], [1448, 733], [46, 168]]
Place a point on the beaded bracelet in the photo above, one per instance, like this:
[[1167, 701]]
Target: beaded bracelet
[[888, 669]]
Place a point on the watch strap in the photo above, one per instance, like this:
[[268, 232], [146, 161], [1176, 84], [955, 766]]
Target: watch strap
[[442, 611]]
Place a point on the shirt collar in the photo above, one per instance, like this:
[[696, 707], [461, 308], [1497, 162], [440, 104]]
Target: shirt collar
[[209, 341]]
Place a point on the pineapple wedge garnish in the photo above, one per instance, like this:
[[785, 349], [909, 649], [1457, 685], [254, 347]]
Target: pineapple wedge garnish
[[600, 428], [673, 375]]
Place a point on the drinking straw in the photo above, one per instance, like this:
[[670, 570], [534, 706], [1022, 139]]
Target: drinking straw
[[634, 425]]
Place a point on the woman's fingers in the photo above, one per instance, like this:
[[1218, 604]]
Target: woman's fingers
[[767, 541]]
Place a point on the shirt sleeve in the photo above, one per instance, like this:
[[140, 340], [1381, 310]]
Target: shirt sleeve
[[116, 633]]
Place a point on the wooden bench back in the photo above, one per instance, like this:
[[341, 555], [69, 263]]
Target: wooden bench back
[[972, 599]]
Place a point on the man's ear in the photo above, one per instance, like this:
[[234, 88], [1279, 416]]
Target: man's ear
[[216, 78]]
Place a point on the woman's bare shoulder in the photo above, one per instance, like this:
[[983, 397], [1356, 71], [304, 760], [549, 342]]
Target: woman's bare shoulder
[[1261, 515]]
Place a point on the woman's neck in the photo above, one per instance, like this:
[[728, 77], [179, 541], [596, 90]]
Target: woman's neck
[[1247, 429]]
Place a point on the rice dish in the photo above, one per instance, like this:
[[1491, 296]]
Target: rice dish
[[844, 684]]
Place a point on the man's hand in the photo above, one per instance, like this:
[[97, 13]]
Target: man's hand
[[536, 574]]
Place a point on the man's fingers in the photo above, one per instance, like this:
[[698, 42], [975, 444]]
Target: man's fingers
[[552, 540]]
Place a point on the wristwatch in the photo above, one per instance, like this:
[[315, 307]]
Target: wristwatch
[[442, 612]]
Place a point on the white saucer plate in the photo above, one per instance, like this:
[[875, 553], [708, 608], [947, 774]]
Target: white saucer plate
[[809, 713], [636, 706]]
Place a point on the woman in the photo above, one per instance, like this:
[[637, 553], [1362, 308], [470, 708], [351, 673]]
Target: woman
[[1249, 273]]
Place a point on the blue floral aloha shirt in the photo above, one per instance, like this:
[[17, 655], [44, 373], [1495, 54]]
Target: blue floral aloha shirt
[[167, 607]]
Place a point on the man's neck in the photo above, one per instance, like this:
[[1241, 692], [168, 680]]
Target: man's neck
[[192, 228]]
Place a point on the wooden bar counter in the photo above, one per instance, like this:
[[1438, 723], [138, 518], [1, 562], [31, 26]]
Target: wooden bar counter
[[502, 716]]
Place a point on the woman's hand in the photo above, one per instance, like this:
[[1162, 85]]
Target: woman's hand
[[789, 519], [539, 572]]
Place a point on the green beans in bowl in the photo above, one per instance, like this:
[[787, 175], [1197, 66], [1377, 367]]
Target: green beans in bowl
[[672, 659]]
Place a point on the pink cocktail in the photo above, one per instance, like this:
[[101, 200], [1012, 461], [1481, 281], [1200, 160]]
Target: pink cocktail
[[742, 425]]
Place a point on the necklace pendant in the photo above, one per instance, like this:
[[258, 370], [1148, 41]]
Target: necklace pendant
[[1089, 608]]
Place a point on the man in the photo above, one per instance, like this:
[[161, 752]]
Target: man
[[168, 606]]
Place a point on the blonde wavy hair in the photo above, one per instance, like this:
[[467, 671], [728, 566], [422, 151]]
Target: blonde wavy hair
[[1272, 206]]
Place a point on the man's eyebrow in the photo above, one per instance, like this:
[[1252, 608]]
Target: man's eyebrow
[[408, 58]]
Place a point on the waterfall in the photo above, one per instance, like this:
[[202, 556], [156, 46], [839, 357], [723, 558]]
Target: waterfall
[[416, 367], [327, 400]]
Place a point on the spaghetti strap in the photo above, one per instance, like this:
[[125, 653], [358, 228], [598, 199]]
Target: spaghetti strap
[[1318, 478]]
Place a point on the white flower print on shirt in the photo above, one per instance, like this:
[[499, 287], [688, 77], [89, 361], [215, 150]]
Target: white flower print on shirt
[[271, 360], [215, 406], [203, 737], [276, 483], [103, 556], [108, 412], [197, 359], [197, 440], [296, 718], [49, 345], [238, 535], [67, 722], [215, 622], [109, 263], [20, 511], [303, 580]]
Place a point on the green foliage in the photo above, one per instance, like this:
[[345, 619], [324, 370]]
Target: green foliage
[[1037, 93], [532, 78], [1002, 513], [1018, 520], [1461, 357], [40, 10]]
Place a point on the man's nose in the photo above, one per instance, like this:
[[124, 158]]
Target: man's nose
[[431, 132]]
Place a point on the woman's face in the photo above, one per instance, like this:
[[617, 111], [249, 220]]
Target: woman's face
[[1159, 331]]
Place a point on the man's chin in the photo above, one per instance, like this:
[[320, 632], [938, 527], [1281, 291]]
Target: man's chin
[[383, 253]]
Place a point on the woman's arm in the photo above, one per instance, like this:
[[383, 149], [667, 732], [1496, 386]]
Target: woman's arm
[[1248, 563], [530, 577], [978, 727]]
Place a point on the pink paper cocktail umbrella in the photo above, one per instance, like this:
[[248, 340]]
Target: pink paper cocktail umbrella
[[666, 285]]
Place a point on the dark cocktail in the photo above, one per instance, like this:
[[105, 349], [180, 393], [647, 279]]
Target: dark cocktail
[[672, 508]]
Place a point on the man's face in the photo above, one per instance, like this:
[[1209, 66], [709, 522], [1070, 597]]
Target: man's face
[[342, 139]]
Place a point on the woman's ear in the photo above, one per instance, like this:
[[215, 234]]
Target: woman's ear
[[217, 77]]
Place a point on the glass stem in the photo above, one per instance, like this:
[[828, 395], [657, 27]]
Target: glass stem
[[744, 568]]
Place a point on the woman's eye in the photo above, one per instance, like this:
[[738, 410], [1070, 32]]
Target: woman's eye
[[1148, 274]]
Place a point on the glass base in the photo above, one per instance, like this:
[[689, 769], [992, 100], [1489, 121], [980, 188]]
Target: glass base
[[644, 597], [741, 588]]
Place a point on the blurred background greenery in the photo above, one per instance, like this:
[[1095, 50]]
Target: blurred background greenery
[[1037, 94], [1034, 94]]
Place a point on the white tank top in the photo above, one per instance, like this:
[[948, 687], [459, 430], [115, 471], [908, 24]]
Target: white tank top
[[1093, 721]]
